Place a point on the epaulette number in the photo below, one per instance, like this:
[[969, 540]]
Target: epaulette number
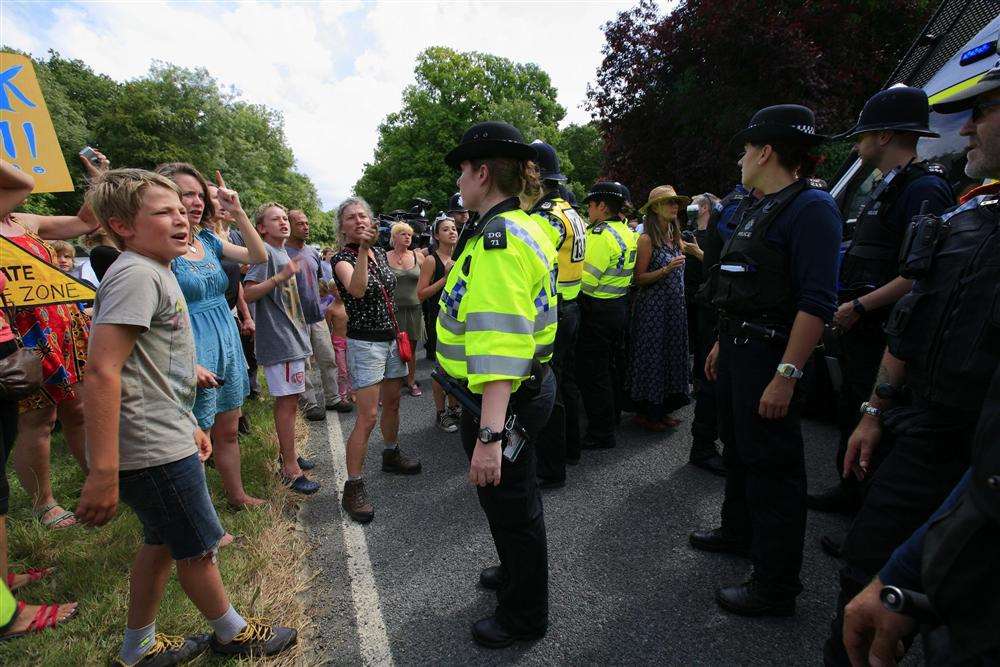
[[495, 239]]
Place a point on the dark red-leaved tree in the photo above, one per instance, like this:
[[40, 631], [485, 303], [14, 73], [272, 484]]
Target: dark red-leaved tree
[[671, 91]]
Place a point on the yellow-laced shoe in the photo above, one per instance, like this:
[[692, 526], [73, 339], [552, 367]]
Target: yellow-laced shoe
[[258, 638], [169, 650]]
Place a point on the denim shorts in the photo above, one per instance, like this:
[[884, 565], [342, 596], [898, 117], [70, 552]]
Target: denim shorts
[[174, 507], [370, 362]]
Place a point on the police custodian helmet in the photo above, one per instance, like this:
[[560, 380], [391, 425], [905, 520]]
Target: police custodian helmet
[[548, 162], [490, 139], [455, 204], [900, 109]]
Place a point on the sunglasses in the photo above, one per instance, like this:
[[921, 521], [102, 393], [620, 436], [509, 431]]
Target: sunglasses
[[979, 109]]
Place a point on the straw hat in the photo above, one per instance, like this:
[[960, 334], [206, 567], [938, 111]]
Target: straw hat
[[664, 193]]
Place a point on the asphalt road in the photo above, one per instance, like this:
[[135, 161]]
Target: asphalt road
[[625, 587]]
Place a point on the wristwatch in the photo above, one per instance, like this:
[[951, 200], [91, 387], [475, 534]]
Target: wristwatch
[[789, 371], [859, 307], [887, 391], [870, 410], [486, 434]]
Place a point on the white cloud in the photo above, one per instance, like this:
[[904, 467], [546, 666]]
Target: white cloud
[[333, 69]]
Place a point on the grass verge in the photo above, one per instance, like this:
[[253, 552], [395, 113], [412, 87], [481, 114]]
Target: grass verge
[[260, 571]]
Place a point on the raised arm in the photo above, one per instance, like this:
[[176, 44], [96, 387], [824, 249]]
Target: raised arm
[[254, 252]]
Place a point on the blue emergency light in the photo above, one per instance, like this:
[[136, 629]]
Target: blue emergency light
[[978, 53]]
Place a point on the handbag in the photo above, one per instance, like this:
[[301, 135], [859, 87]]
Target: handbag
[[20, 371], [403, 343]]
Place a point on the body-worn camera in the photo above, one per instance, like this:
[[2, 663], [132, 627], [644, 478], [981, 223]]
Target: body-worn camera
[[922, 238]]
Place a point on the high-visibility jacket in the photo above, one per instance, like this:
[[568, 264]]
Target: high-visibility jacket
[[568, 233], [610, 260], [498, 305]]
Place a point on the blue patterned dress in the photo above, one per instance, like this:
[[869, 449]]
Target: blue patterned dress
[[659, 372], [216, 338]]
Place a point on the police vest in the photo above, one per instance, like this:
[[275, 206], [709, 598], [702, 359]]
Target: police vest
[[610, 260], [753, 278], [872, 259], [498, 305], [947, 328], [570, 238]]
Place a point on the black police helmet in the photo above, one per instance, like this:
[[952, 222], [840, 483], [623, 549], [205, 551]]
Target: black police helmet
[[548, 162], [964, 100], [455, 204], [900, 109], [490, 139], [607, 190], [782, 122]]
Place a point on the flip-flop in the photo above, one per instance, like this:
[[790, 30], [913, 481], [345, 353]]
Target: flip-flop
[[33, 574], [46, 617], [52, 523]]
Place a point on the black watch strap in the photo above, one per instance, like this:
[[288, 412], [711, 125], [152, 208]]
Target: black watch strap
[[486, 434], [859, 307]]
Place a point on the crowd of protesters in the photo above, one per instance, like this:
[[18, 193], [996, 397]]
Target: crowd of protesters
[[553, 319]]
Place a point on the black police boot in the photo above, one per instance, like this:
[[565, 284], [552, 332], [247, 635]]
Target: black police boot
[[747, 599], [718, 541], [836, 500], [489, 633], [493, 578]]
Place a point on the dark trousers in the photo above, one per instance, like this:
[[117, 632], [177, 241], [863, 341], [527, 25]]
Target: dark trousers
[[861, 351], [602, 322], [251, 357], [514, 512], [561, 437], [930, 453], [705, 426], [765, 500]]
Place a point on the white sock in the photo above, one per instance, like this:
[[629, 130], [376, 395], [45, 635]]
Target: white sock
[[228, 625], [137, 643]]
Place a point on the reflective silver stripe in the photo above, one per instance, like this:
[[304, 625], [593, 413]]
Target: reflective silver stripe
[[521, 233], [545, 318], [610, 289], [493, 364], [569, 283], [451, 324], [588, 288], [544, 350], [619, 273], [621, 241], [453, 352], [592, 270], [499, 322]]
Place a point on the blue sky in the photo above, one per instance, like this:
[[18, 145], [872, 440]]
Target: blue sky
[[333, 69]]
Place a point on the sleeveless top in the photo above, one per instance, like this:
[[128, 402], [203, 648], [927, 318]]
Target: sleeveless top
[[405, 293]]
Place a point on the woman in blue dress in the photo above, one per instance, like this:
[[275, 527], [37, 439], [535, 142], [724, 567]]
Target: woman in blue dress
[[659, 372], [223, 383]]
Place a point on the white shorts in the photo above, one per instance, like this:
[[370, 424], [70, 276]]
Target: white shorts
[[287, 378]]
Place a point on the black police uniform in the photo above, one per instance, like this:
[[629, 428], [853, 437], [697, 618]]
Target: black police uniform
[[780, 260], [947, 330]]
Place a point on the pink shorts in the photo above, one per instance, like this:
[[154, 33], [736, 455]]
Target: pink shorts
[[287, 378]]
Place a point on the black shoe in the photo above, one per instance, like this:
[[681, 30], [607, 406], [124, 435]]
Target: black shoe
[[316, 414], [591, 443], [171, 651], [301, 484], [489, 633], [305, 464], [340, 406], [746, 600], [832, 546], [257, 640], [712, 464], [836, 500], [544, 483], [492, 578], [717, 541]]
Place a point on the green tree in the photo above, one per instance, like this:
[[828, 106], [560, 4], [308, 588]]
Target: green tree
[[451, 92], [580, 153]]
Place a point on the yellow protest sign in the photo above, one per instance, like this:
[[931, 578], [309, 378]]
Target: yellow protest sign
[[27, 138], [35, 282]]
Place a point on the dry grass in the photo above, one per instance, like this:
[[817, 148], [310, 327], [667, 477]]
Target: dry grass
[[262, 571]]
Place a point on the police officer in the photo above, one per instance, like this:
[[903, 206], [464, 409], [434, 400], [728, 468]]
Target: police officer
[[457, 211], [943, 347], [608, 265], [560, 442], [774, 287], [886, 136], [496, 330]]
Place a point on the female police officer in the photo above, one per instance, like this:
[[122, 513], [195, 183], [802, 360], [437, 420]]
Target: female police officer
[[775, 287], [496, 331]]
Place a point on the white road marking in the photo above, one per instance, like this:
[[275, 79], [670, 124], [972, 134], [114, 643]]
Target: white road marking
[[372, 636]]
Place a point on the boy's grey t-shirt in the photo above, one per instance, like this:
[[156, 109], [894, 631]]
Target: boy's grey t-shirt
[[156, 425], [281, 333]]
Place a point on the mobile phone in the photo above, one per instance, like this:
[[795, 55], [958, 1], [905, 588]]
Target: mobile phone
[[90, 154], [219, 381]]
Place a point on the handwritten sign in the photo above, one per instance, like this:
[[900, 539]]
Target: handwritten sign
[[27, 138], [34, 282]]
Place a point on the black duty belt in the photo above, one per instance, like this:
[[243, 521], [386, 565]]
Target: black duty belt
[[734, 326]]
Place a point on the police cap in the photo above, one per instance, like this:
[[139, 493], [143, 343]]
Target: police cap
[[548, 162], [900, 109], [490, 139], [781, 122], [607, 190]]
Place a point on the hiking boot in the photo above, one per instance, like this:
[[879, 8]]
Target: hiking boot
[[355, 501], [316, 414], [446, 422], [393, 460], [167, 650], [256, 640]]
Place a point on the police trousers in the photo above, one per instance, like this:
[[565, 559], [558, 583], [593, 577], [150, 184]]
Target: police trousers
[[861, 351], [705, 426], [930, 449], [560, 440], [765, 499], [602, 323], [517, 523]]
